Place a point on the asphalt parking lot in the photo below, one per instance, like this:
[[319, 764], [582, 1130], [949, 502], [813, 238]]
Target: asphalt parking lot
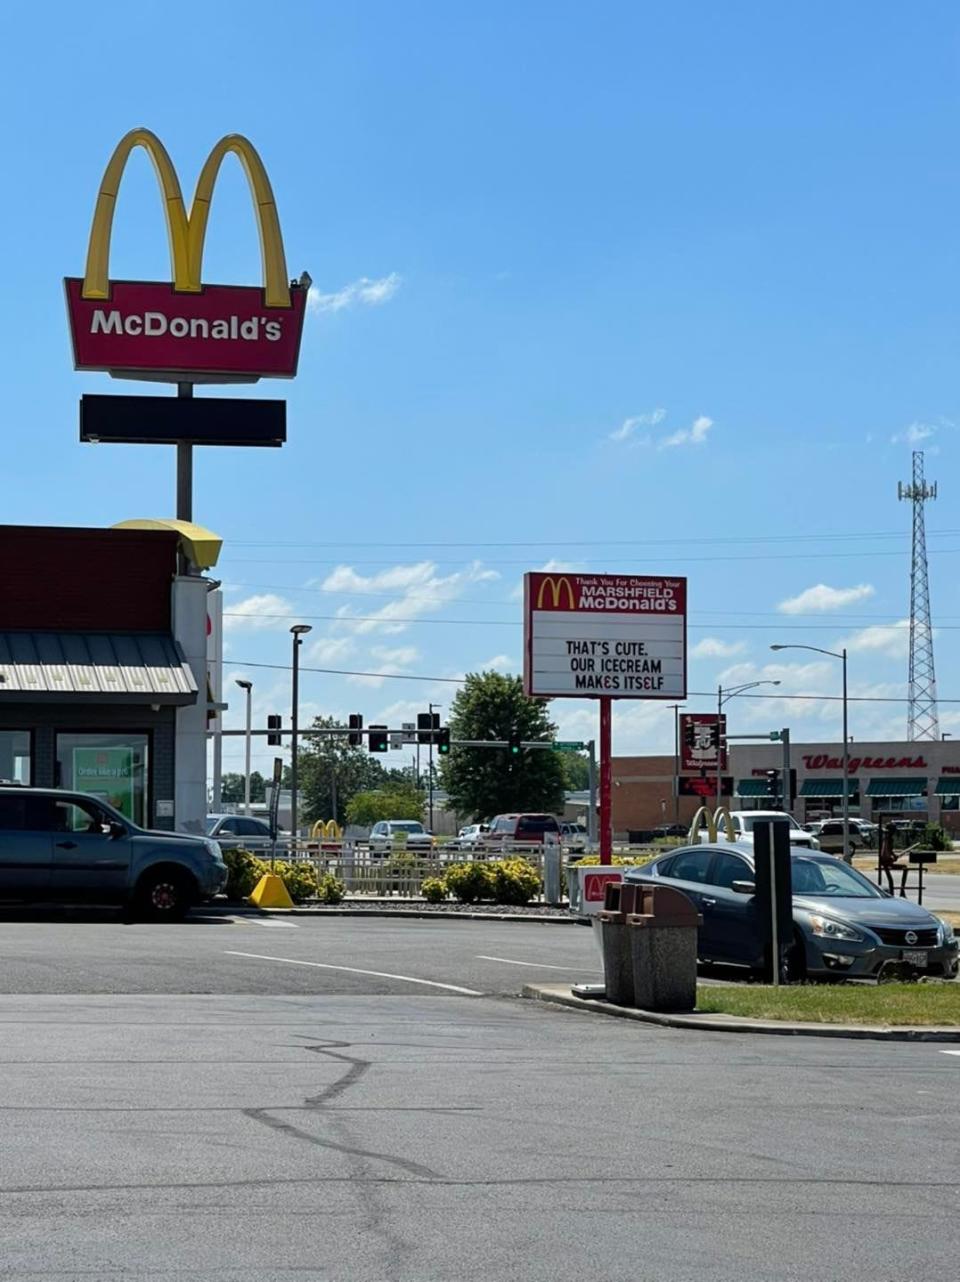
[[249, 1100]]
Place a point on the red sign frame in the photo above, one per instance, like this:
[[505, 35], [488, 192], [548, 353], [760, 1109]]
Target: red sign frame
[[223, 333], [702, 755]]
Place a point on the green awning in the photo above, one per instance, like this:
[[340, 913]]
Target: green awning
[[827, 787], [948, 787], [753, 788], [897, 788]]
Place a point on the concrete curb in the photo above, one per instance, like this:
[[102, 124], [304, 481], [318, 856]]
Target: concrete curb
[[560, 995], [404, 914]]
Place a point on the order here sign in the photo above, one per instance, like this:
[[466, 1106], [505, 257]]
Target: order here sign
[[618, 635]]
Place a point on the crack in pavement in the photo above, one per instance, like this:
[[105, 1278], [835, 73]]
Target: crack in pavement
[[356, 1069]]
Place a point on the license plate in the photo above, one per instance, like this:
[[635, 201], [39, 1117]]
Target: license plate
[[914, 958]]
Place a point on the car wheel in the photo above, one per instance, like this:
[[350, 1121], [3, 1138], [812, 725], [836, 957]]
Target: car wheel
[[164, 895]]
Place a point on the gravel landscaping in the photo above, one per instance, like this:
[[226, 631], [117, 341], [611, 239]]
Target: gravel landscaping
[[422, 909]]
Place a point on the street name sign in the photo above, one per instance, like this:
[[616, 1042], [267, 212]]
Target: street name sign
[[620, 636]]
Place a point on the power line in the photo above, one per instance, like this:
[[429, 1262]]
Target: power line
[[680, 560], [586, 543], [691, 694]]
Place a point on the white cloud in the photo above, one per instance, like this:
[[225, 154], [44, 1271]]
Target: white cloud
[[552, 566], [822, 597], [256, 612], [421, 590], [914, 435], [328, 649], [363, 291], [403, 654], [696, 434], [714, 648], [889, 640], [500, 663], [629, 425]]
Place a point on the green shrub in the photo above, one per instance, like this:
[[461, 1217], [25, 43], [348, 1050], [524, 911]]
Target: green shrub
[[617, 861], [330, 889], [244, 871], [515, 881], [299, 879], [936, 838], [470, 882], [434, 890]]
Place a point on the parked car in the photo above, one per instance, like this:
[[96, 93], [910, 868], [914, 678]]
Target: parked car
[[573, 837], [469, 837], [382, 836], [830, 836], [743, 822], [232, 831], [507, 830], [843, 923], [57, 845]]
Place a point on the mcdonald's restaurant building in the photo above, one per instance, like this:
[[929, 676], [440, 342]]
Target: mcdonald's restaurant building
[[103, 668], [921, 780]]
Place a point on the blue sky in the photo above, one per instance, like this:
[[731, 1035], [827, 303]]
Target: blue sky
[[627, 287]]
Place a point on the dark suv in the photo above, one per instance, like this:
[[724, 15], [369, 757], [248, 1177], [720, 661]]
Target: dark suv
[[58, 845], [508, 829]]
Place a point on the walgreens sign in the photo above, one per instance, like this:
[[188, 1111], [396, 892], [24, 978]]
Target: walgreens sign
[[821, 761]]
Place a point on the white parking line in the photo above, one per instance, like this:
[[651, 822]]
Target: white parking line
[[272, 922], [950, 1052], [354, 970], [510, 961]]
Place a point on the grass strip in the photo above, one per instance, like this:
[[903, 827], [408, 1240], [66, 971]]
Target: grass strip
[[883, 1004]]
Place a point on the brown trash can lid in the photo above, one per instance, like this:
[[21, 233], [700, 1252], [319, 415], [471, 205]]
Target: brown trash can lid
[[664, 906]]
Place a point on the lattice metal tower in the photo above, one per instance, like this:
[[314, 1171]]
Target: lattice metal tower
[[922, 720]]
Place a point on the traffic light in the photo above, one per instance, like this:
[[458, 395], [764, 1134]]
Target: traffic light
[[428, 723], [355, 722], [377, 739], [514, 745], [773, 783], [715, 734], [273, 725], [690, 734], [443, 741]]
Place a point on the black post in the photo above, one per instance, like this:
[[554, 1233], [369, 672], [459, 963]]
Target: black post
[[774, 893]]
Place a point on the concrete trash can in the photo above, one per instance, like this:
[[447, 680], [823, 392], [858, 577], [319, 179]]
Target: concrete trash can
[[620, 899], [662, 941]]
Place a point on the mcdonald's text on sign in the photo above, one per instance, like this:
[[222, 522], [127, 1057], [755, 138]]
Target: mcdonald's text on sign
[[182, 327], [618, 635]]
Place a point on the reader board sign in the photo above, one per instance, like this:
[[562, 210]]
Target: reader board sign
[[703, 737], [623, 636]]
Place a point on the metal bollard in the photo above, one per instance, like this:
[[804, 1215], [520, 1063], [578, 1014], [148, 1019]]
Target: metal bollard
[[551, 874]]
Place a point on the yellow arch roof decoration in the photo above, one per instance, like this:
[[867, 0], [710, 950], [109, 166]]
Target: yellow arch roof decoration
[[202, 546]]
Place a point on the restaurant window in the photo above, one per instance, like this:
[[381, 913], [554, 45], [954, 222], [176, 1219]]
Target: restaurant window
[[15, 753], [111, 767]]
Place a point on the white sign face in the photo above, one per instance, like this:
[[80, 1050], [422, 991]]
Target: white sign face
[[593, 635]]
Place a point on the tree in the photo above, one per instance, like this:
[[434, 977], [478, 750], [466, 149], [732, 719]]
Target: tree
[[576, 771], [322, 757], [482, 782], [368, 808], [232, 787]]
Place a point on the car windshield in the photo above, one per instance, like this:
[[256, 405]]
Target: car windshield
[[211, 823], [406, 825], [748, 821], [829, 878]]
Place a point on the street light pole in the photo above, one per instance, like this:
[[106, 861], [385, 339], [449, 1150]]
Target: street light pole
[[298, 631], [845, 782], [247, 687], [722, 698]]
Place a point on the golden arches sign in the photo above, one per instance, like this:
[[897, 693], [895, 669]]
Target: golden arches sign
[[557, 588], [187, 232]]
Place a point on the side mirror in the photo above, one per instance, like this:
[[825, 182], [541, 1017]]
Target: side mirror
[[744, 888], [116, 829]]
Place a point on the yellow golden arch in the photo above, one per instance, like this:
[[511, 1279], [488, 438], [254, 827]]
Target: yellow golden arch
[[557, 588], [187, 232], [720, 816]]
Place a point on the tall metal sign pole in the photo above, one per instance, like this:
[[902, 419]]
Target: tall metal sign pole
[[605, 637]]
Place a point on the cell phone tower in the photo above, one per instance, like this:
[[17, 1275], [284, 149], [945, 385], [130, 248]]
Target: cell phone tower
[[922, 719]]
